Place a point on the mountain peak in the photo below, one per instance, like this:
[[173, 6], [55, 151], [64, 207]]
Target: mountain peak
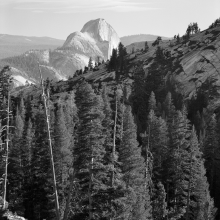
[[97, 37], [100, 30]]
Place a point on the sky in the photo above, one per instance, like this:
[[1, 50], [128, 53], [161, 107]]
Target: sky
[[59, 18]]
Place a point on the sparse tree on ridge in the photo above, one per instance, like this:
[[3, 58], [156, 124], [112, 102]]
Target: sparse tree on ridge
[[146, 47], [90, 64]]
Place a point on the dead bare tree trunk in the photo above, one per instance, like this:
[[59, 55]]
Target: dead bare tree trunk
[[50, 147]]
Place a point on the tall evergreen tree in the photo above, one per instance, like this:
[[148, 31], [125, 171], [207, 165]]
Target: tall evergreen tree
[[26, 155], [90, 64], [113, 64], [138, 98], [159, 204], [42, 192], [90, 171], [146, 47], [210, 150], [16, 175], [121, 57], [199, 202], [152, 104], [62, 157], [133, 169], [22, 110], [178, 167]]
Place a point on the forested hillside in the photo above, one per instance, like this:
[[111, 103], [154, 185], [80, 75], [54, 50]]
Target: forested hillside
[[134, 138]]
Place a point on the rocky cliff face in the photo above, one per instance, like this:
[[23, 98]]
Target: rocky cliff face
[[97, 38], [199, 61], [105, 36]]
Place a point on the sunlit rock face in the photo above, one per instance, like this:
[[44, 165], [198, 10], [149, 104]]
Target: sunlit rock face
[[96, 40], [82, 43], [105, 36]]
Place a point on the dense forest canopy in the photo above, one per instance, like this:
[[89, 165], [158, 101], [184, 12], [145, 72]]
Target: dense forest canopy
[[131, 148]]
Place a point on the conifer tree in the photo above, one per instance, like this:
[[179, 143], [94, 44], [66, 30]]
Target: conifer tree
[[90, 64], [178, 166], [22, 110], [199, 203], [108, 127], [62, 157], [146, 47], [90, 171], [133, 170], [117, 186], [5, 80], [210, 151], [113, 64], [152, 105], [121, 57], [155, 142], [159, 204], [139, 97], [15, 166], [42, 191], [26, 155]]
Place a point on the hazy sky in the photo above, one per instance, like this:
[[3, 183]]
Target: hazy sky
[[59, 18]]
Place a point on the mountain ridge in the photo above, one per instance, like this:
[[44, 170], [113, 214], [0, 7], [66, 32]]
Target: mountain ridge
[[129, 39]]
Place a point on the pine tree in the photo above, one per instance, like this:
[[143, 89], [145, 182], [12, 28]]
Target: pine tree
[[90, 171], [121, 57], [5, 79], [22, 110], [117, 185], [90, 64], [152, 105], [26, 155], [42, 191], [178, 166], [62, 157], [16, 175], [113, 65], [133, 170], [169, 111], [108, 128], [146, 47], [210, 146], [138, 98], [199, 202], [159, 205]]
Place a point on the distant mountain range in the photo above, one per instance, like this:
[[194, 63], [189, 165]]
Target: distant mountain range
[[13, 45], [96, 40], [60, 59], [127, 40]]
